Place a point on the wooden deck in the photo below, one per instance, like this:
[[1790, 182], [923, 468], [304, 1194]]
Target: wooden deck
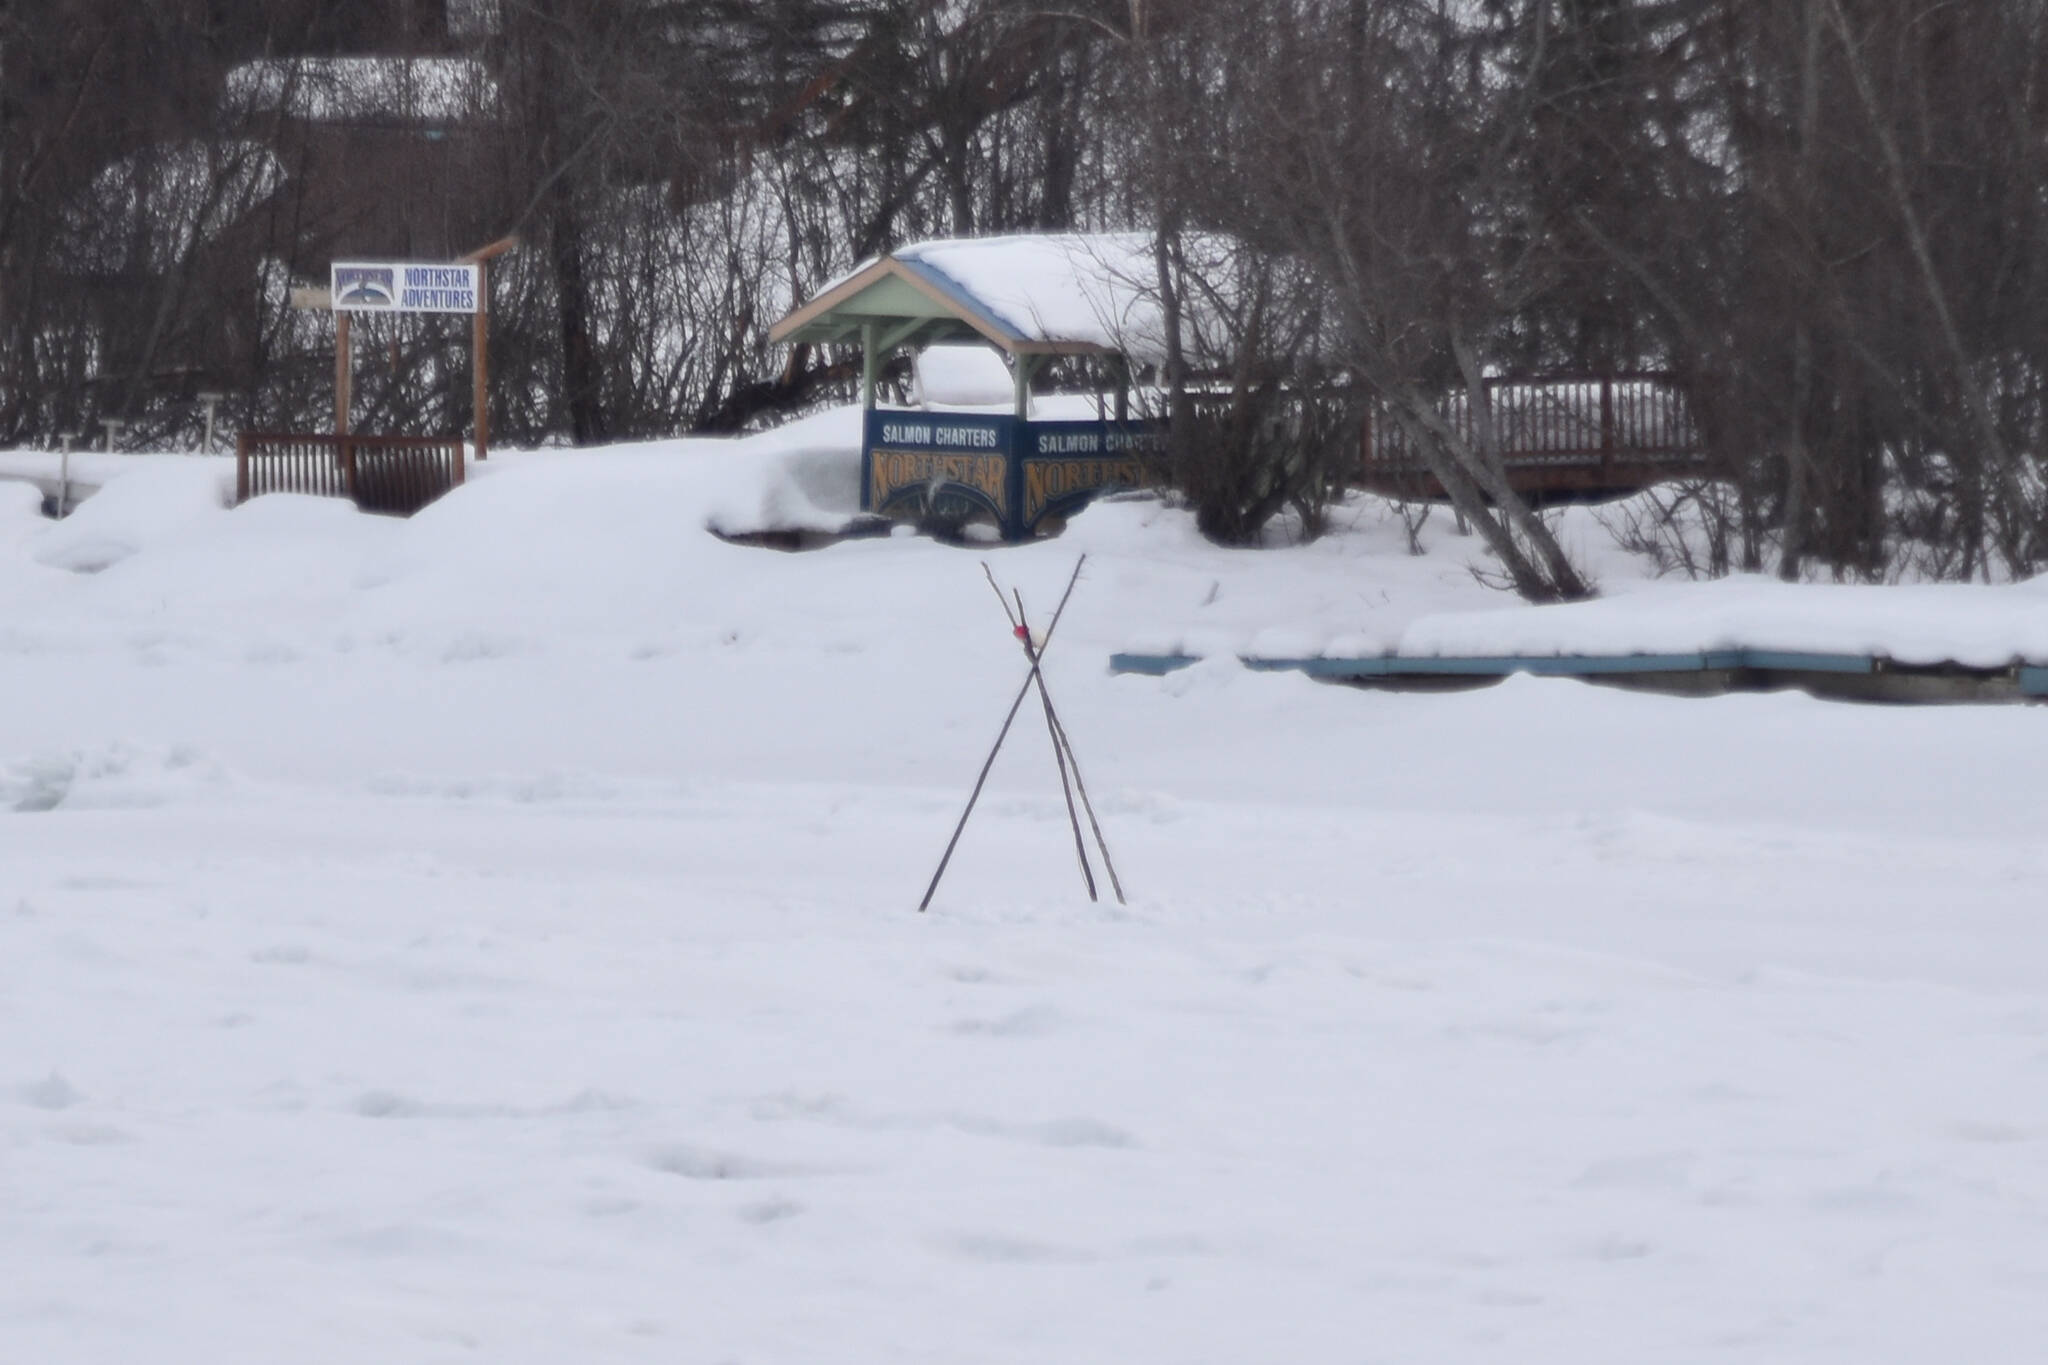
[[394, 474], [1561, 436]]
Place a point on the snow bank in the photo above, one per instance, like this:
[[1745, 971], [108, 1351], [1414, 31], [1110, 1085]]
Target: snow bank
[[803, 476], [21, 511], [616, 526], [1430, 606], [153, 500], [271, 560], [111, 777], [1976, 626]]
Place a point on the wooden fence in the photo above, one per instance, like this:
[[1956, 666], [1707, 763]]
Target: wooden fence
[[398, 474], [1558, 433]]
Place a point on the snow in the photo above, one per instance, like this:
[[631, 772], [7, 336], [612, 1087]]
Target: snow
[[1093, 287], [147, 502], [491, 935], [948, 376], [1099, 288], [1982, 627], [1417, 606], [147, 211], [89, 468], [474, 18], [357, 89]]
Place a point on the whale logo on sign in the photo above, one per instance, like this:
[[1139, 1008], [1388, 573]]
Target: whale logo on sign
[[365, 286]]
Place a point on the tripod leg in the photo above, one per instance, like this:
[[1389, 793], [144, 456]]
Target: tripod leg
[[1034, 655], [1059, 755], [974, 796], [1060, 737], [1059, 750]]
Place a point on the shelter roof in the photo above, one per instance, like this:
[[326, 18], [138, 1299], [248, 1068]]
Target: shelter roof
[[1046, 294]]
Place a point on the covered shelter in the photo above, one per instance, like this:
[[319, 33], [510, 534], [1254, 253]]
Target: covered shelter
[[1031, 298]]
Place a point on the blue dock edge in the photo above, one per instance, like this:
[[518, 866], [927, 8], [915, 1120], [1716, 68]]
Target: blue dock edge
[[2032, 678]]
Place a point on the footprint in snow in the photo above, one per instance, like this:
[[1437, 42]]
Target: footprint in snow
[[702, 1163], [1865, 1201], [52, 1092], [91, 1135], [1069, 1132], [1002, 1249], [1973, 1131], [1647, 1171], [768, 1211], [1036, 1021]]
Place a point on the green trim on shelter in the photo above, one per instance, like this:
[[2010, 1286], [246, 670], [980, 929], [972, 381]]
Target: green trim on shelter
[[1016, 472], [894, 303]]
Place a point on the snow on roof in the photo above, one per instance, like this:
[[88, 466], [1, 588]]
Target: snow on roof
[[1098, 288], [362, 89], [1036, 292]]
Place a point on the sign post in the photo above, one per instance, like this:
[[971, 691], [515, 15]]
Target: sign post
[[211, 398], [480, 367], [402, 287], [344, 373], [64, 476], [418, 287], [480, 343]]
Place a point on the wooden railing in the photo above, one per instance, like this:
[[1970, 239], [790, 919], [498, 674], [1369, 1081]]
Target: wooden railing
[[1586, 432], [399, 474]]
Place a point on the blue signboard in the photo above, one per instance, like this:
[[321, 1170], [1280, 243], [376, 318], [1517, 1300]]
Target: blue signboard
[[1062, 465], [961, 466], [937, 465]]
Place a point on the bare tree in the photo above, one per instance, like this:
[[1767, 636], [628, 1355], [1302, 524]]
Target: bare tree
[[1355, 137]]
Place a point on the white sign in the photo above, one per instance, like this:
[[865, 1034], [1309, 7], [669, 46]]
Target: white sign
[[403, 287]]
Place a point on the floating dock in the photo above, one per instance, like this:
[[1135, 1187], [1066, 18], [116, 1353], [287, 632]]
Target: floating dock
[[1850, 677]]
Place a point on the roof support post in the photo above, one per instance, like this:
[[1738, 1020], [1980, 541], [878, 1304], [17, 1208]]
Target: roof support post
[[1022, 368], [344, 365], [870, 365]]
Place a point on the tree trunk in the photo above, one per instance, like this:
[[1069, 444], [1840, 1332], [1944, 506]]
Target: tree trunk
[[1487, 469], [581, 381]]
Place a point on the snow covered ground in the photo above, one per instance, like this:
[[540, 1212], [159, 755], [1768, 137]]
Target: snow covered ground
[[491, 937]]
